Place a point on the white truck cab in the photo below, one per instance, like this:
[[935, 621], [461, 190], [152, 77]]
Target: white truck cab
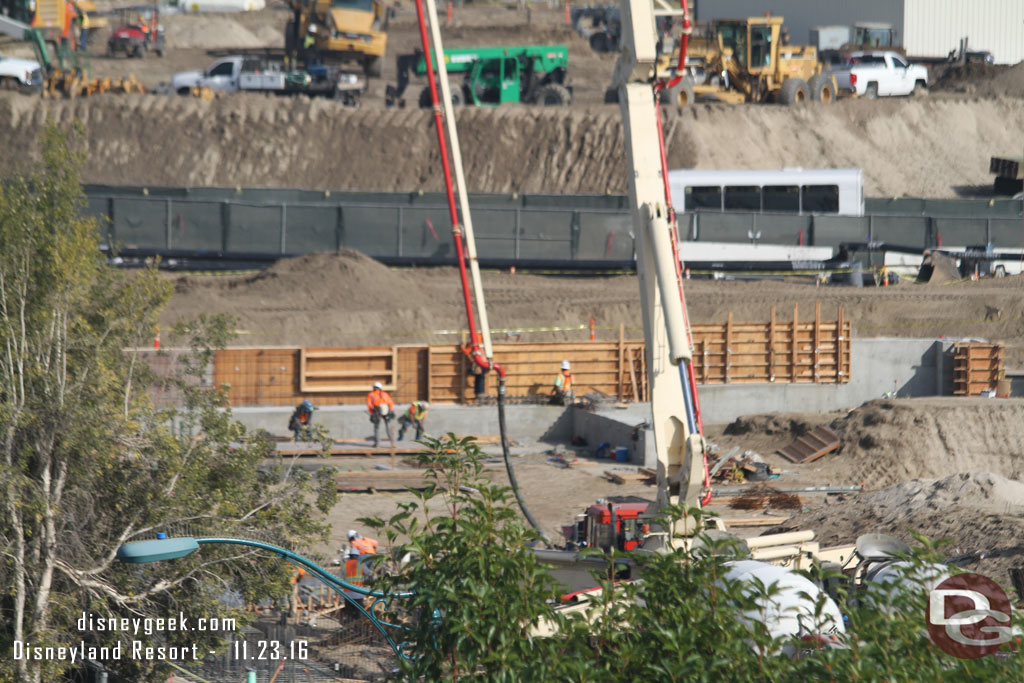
[[881, 74]]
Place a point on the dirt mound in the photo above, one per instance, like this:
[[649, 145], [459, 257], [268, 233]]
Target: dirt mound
[[250, 140], [938, 269], [783, 426], [889, 441], [982, 80], [186, 31], [975, 511]]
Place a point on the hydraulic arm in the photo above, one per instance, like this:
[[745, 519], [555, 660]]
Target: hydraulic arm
[[678, 437]]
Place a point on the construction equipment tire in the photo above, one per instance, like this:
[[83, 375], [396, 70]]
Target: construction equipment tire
[[140, 51], [820, 89], [373, 67], [793, 91], [599, 42], [553, 95], [679, 95]]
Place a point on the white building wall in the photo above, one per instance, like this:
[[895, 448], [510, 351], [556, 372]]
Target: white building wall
[[934, 27]]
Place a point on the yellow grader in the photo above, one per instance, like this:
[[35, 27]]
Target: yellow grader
[[750, 60]]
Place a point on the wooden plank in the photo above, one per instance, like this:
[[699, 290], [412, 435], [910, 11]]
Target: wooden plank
[[795, 360], [632, 378], [381, 480], [619, 389], [817, 338], [728, 347], [818, 442], [771, 345], [762, 520]]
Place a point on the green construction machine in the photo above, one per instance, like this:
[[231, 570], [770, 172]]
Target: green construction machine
[[531, 74]]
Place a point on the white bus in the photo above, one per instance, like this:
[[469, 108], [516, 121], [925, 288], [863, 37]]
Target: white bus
[[830, 191]]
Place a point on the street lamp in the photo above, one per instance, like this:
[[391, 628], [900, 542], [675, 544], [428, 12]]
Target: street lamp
[[163, 548]]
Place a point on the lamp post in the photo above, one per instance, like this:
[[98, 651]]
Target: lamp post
[[163, 548]]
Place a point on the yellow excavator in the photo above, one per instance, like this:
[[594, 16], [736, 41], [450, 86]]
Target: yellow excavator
[[338, 31]]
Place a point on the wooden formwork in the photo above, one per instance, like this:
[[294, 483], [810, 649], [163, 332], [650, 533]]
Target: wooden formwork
[[798, 350], [977, 367], [815, 351]]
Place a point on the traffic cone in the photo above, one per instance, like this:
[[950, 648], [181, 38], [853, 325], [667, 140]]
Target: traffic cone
[[156, 339], [568, 20], [449, 11]]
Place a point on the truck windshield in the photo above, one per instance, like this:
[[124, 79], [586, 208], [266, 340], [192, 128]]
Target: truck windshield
[[360, 5], [875, 37], [735, 37]]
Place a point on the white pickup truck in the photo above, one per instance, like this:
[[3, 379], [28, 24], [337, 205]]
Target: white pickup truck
[[877, 74], [19, 72], [260, 73]]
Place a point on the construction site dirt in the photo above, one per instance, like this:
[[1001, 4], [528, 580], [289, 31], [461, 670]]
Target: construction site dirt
[[938, 146], [933, 465]]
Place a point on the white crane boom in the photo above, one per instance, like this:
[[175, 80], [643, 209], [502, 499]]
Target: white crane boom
[[679, 444]]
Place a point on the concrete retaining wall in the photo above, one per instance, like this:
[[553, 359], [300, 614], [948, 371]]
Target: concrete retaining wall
[[545, 423]]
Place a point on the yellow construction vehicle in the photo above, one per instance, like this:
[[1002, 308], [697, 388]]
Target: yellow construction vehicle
[[338, 31], [750, 60]]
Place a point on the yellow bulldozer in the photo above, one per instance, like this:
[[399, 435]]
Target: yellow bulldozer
[[750, 60]]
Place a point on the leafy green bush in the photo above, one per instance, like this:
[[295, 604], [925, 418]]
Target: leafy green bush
[[481, 598]]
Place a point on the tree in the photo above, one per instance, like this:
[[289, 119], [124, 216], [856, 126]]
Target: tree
[[481, 600], [87, 463]]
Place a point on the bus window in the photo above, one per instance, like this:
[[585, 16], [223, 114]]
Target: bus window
[[821, 199], [743, 198], [709, 197], [784, 198]]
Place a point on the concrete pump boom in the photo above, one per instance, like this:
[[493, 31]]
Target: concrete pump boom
[[678, 440]]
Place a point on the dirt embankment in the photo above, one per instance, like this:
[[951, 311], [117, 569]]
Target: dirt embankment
[[907, 147], [347, 298]]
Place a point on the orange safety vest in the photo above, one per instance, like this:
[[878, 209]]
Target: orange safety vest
[[353, 571], [365, 546], [564, 381], [378, 397]]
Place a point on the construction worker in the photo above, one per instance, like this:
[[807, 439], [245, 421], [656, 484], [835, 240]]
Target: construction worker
[[353, 569], [308, 45], [382, 409], [301, 422], [562, 394], [84, 24], [414, 417], [365, 546]]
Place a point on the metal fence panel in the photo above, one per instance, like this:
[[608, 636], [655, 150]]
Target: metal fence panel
[[139, 223], [724, 227], [904, 230], [545, 234], [312, 228], [427, 233], [605, 236], [372, 230], [782, 229], [197, 226], [831, 231], [1006, 234], [961, 232], [255, 229], [495, 232]]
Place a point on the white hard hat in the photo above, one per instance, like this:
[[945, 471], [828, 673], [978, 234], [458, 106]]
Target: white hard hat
[[378, 385], [565, 365], [352, 533], [312, 28]]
